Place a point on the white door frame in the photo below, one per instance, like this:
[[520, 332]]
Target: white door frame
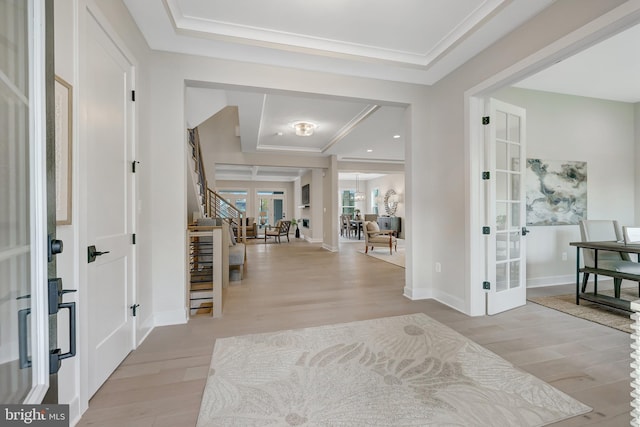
[[620, 18]]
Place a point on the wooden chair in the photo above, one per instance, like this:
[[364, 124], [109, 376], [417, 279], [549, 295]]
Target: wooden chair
[[347, 226], [280, 229]]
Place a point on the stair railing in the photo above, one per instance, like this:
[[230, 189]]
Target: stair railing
[[215, 206]]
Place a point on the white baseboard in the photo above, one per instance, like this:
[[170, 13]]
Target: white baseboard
[[165, 318], [537, 282], [441, 297], [147, 327], [310, 240], [74, 412], [329, 248], [450, 300], [417, 294]]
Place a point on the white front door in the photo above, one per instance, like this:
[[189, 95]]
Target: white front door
[[505, 207], [110, 203]]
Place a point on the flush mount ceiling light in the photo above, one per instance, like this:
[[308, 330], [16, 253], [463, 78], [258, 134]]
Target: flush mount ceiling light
[[304, 128]]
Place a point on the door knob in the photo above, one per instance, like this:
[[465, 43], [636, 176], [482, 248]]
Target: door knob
[[525, 231], [93, 253]]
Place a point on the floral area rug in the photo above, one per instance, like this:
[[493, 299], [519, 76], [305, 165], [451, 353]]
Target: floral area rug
[[396, 371]]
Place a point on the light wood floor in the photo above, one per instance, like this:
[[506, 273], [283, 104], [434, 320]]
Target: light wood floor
[[294, 285]]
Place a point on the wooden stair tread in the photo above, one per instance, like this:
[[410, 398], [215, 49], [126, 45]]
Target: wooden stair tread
[[202, 286]]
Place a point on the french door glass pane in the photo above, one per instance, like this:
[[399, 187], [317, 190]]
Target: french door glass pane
[[514, 280], [501, 277], [15, 252], [13, 43], [501, 155], [501, 216], [501, 125], [514, 128]]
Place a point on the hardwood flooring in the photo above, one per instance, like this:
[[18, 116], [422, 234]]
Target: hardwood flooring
[[294, 285]]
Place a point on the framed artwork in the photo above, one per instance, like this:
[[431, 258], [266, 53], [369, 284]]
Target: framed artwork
[[63, 121], [556, 192]]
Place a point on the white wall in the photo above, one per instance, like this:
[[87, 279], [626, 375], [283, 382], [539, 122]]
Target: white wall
[[314, 212], [636, 122], [599, 132], [202, 103]]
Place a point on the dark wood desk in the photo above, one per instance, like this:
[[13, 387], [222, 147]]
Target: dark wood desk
[[594, 296]]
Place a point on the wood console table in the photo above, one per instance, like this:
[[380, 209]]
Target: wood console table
[[594, 296]]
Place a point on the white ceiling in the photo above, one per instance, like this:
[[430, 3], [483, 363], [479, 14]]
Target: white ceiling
[[609, 70], [413, 41]]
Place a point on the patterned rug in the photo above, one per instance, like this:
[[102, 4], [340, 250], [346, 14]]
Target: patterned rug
[[397, 257], [590, 311], [407, 370]]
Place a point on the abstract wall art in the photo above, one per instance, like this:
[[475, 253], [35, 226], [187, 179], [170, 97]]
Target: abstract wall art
[[556, 192]]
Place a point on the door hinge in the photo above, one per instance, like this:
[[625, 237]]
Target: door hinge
[[133, 166], [486, 230], [486, 120], [134, 309], [133, 95], [486, 175], [486, 286], [133, 238]]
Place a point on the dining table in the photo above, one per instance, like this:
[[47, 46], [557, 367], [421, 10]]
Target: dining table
[[357, 224]]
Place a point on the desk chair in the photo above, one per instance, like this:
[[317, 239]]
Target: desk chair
[[603, 231]]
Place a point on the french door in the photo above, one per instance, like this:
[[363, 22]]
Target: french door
[[24, 320], [270, 207], [505, 154]]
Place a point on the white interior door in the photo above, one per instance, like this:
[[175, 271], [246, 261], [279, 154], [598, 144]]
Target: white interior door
[[110, 199], [505, 202]]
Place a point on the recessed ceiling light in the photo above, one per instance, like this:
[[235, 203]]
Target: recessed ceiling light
[[396, 136], [279, 133], [369, 150]]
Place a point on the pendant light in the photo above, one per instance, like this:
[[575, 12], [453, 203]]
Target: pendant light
[[359, 196]]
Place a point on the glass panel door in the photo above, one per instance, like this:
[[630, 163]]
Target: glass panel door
[[278, 210], [506, 153], [270, 207], [21, 361]]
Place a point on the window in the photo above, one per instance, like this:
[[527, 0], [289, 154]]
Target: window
[[238, 198], [348, 202], [374, 200]]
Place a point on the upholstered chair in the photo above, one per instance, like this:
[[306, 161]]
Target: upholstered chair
[[374, 237]]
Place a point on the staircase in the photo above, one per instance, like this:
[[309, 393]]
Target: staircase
[[209, 244], [212, 204]]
